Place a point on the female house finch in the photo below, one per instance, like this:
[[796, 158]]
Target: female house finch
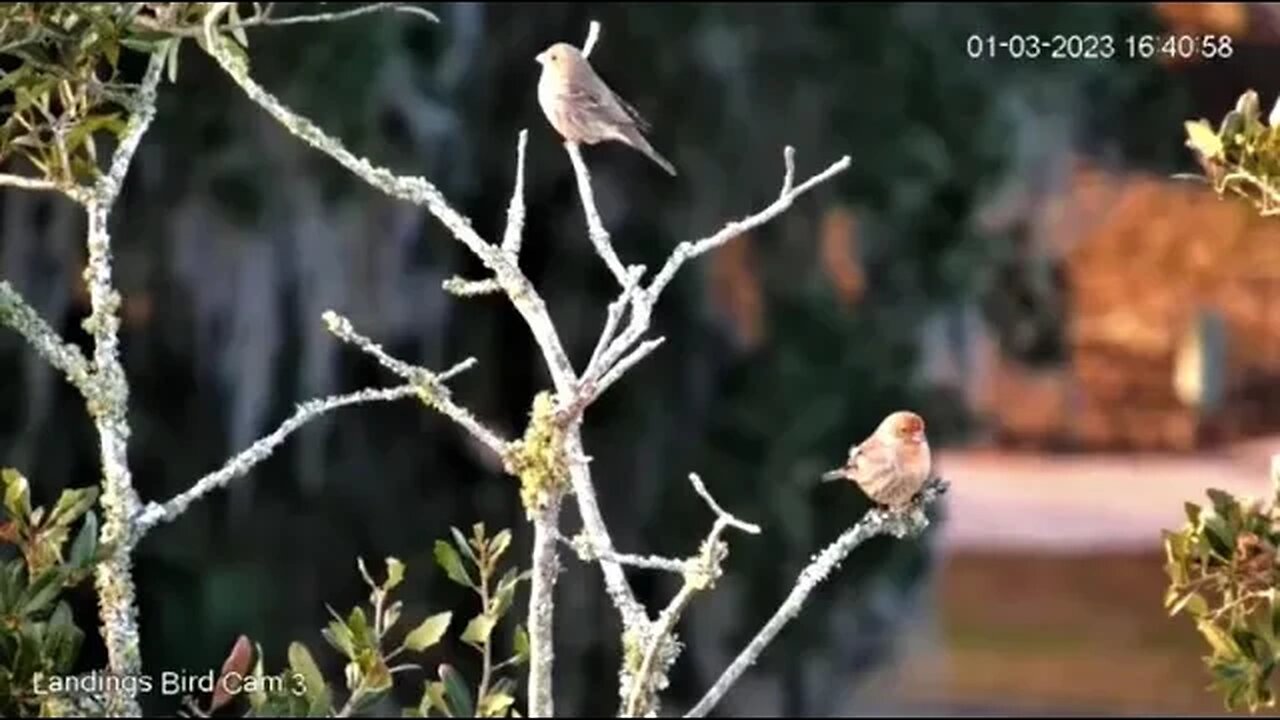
[[582, 108], [893, 464]]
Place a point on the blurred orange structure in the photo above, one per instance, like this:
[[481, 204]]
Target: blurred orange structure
[[1147, 260]]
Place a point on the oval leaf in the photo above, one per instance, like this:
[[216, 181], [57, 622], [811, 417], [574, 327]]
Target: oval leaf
[[429, 632], [395, 574], [85, 545], [478, 630], [456, 693], [448, 559], [1202, 139], [498, 545], [314, 687]]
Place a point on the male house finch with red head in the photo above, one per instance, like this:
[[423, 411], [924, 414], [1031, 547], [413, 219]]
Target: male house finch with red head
[[893, 464], [582, 108]]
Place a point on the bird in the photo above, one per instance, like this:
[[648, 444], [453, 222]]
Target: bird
[[583, 109], [893, 464]]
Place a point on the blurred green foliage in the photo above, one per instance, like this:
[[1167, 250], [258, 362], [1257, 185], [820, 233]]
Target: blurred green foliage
[[1222, 574], [370, 669], [1222, 564], [1242, 156], [39, 637]]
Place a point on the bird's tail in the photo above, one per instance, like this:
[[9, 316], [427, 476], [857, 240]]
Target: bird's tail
[[640, 143]]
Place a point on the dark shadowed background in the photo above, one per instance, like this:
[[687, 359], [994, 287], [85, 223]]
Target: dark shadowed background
[[782, 348]]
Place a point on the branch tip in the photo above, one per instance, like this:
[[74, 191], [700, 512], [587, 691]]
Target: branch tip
[[593, 36]]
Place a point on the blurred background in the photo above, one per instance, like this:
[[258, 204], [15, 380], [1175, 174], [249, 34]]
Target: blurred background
[[1091, 341]]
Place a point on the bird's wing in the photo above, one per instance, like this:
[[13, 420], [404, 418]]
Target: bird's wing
[[873, 468], [635, 115], [597, 99]]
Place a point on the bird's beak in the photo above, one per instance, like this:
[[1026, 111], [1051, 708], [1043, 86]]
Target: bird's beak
[[837, 474], [541, 57]]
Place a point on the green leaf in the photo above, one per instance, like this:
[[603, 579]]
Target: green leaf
[[1193, 602], [498, 545], [395, 574], [340, 637], [1202, 139], [364, 573], [62, 639], [73, 503], [17, 497], [13, 77], [317, 692], [521, 645], [1248, 106], [433, 699], [257, 694], [85, 546], [391, 615], [505, 593], [428, 632], [448, 559], [1220, 538], [495, 703], [463, 545], [457, 695], [478, 630], [361, 631], [377, 676], [174, 45], [42, 592], [1222, 644], [1193, 512]]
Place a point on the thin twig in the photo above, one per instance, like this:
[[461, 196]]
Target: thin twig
[[645, 299], [593, 35], [613, 317], [265, 20], [621, 367], [240, 465], [700, 574], [26, 183], [430, 386], [581, 546], [595, 225], [875, 523], [721, 513], [512, 237]]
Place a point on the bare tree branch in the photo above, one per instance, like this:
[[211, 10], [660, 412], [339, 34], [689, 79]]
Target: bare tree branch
[[420, 192], [109, 404], [644, 300], [595, 226], [431, 387], [241, 464], [582, 547], [512, 238], [264, 19], [615, 353], [700, 573], [875, 523], [26, 183], [62, 355]]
